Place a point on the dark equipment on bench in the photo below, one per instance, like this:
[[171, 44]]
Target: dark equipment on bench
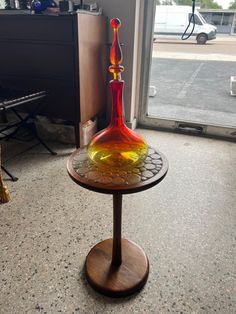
[[14, 100]]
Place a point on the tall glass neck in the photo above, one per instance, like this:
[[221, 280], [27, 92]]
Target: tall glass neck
[[116, 88]]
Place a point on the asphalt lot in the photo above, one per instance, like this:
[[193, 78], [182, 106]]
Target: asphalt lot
[[223, 45], [193, 81]]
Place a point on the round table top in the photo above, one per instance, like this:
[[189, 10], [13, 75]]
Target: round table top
[[109, 180]]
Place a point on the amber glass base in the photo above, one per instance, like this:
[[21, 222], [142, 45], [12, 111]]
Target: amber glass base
[[117, 147]]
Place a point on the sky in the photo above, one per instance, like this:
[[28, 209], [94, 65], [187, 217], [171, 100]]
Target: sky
[[224, 3]]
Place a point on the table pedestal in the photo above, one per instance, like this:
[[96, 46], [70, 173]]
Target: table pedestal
[[116, 267]]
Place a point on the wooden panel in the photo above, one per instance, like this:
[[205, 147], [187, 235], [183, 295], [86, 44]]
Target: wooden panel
[[92, 64]]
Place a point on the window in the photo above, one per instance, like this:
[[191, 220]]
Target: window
[[216, 18], [227, 19], [196, 19]]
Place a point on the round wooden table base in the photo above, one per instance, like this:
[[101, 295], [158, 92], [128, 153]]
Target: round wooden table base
[[112, 280]]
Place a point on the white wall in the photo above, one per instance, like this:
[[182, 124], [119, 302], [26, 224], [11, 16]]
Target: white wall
[[125, 10]]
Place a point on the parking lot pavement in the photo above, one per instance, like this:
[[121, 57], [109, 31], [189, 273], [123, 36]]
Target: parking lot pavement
[[223, 48], [191, 56], [193, 90]]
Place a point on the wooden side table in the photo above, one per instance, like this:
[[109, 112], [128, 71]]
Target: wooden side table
[[117, 267]]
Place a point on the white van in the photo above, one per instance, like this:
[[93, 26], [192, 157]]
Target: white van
[[172, 20]]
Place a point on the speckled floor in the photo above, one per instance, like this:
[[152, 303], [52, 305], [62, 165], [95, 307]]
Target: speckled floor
[[186, 225]]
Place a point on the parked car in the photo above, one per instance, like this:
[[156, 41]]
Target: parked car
[[172, 21]]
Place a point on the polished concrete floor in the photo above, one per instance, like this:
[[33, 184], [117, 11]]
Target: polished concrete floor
[[186, 225]]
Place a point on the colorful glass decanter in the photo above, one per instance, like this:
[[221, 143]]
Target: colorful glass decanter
[[117, 146]]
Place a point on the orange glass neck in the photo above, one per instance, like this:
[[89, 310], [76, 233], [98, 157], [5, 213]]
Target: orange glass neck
[[117, 118]]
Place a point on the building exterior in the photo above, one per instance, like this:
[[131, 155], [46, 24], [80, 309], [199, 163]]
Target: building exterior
[[224, 20]]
